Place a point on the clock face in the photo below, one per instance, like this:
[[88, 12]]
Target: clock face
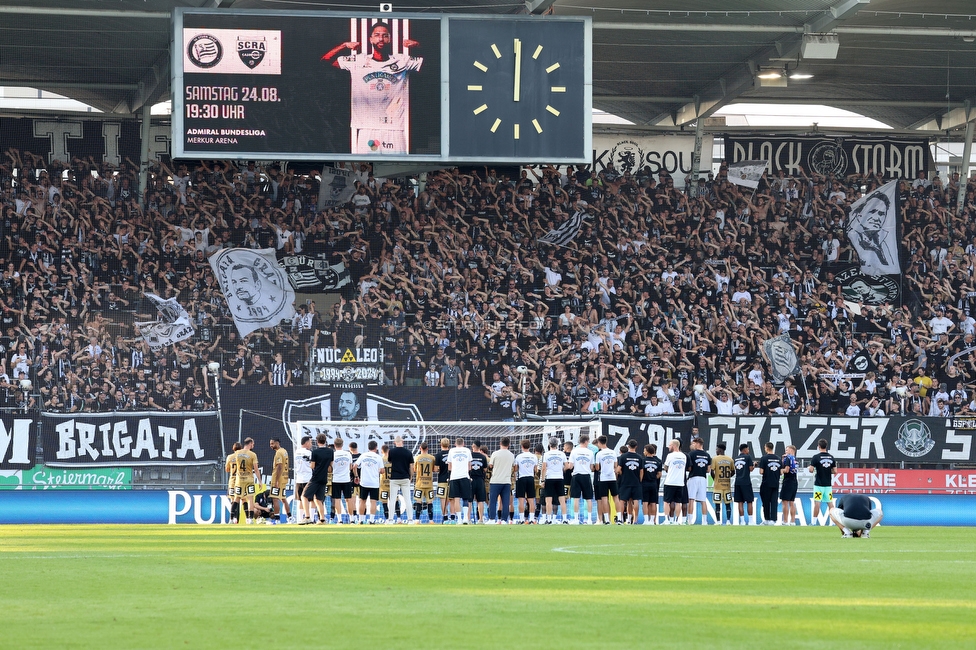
[[518, 90]]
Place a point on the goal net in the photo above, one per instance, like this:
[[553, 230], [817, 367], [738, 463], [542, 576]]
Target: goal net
[[487, 434]]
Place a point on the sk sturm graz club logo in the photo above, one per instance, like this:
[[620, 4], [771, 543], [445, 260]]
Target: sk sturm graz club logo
[[205, 51], [626, 156], [914, 439], [827, 158], [251, 51], [867, 289]]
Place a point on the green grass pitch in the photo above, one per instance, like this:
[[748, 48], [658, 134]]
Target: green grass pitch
[[484, 586]]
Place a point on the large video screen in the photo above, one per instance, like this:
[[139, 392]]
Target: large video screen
[[301, 86], [330, 86]]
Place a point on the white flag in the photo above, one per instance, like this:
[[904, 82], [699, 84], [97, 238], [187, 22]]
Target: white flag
[[158, 335], [566, 232], [782, 357], [256, 288], [337, 187], [747, 173], [873, 231], [172, 326]]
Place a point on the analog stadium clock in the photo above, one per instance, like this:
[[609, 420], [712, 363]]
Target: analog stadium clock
[[519, 89]]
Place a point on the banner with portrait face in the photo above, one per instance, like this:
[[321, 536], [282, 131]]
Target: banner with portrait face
[[256, 288]]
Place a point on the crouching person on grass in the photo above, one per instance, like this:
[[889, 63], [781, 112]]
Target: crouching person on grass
[[855, 515]]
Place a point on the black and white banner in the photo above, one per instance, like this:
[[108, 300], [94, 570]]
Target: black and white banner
[[891, 157], [783, 361], [105, 140], [861, 289], [310, 274], [172, 326], [126, 439], [18, 441], [565, 232], [850, 440], [747, 173], [647, 431], [872, 228], [257, 290], [671, 154], [265, 411], [350, 368], [338, 185]]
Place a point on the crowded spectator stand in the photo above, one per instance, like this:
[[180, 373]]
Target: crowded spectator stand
[[661, 303]]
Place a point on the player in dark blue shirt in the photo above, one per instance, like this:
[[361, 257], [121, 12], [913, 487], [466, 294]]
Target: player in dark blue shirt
[[856, 515], [743, 493], [787, 493], [769, 466]]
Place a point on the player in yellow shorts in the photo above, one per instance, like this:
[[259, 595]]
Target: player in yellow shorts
[[279, 481], [423, 487], [443, 480], [247, 474], [231, 468], [722, 470]]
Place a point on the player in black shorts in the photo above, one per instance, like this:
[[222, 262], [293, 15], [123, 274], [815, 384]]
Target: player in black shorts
[[769, 467], [479, 462], [787, 493], [630, 467], [568, 480], [743, 493], [650, 484]]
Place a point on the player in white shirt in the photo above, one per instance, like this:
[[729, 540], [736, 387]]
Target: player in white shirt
[[605, 463], [341, 482], [459, 462], [554, 463], [675, 468], [380, 112], [303, 474], [367, 469], [582, 459], [526, 465]]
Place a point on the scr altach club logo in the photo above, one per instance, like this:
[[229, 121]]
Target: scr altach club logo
[[205, 51], [252, 51], [914, 439]]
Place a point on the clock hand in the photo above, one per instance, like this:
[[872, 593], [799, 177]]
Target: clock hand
[[518, 68]]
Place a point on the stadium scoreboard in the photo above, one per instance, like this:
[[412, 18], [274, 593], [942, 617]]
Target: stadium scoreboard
[[392, 87]]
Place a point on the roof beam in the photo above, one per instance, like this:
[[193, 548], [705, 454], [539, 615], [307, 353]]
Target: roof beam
[[96, 13], [946, 121], [647, 99], [742, 78], [538, 7], [152, 84], [78, 85], [846, 101], [810, 28]]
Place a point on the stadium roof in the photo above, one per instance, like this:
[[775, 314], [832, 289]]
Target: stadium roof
[[908, 63]]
